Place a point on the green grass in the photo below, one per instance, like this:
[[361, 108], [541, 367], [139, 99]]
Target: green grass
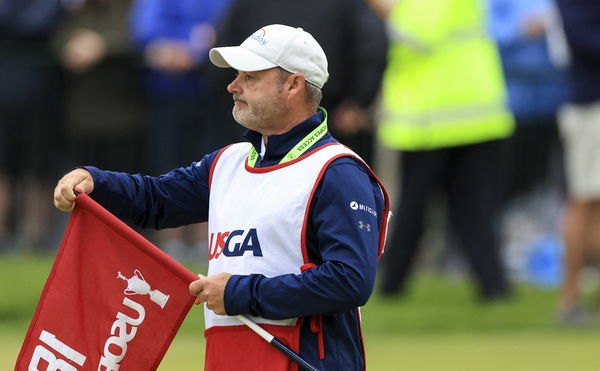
[[439, 326]]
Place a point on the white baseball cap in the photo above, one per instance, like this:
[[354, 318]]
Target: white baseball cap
[[276, 45]]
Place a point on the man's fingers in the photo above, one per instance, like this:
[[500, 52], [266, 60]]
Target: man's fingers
[[86, 185], [210, 290], [63, 197], [197, 286], [78, 180]]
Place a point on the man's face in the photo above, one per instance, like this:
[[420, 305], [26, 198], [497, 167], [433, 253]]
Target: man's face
[[258, 100]]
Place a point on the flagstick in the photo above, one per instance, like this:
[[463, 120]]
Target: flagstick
[[276, 343]]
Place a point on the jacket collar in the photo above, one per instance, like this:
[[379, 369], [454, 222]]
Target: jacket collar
[[280, 144]]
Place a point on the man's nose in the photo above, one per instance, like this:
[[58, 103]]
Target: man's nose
[[234, 87]]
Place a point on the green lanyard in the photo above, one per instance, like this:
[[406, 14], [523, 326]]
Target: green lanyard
[[302, 146]]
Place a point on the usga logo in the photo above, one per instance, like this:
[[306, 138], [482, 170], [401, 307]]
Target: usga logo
[[136, 285], [234, 243], [122, 331]]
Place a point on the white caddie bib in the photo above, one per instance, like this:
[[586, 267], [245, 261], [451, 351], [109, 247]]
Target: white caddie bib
[[257, 216]]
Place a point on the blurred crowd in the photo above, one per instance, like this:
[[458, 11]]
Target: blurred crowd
[[467, 93]]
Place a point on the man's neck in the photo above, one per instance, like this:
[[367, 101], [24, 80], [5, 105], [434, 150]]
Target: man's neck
[[293, 120]]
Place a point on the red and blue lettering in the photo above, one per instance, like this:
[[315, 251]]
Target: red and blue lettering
[[234, 243]]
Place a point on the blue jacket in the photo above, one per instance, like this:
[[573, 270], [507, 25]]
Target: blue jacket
[[345, 254], [152, 20], [536, 88]]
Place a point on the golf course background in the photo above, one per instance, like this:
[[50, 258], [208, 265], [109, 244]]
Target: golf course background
[[439, 326]]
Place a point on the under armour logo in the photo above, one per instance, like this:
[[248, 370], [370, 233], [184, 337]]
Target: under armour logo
[[362, 225]]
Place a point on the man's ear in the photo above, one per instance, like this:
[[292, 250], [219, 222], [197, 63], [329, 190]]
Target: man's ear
[[296, 85]]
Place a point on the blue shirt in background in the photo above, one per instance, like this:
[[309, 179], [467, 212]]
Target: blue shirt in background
[[536, 87], [153, 20]]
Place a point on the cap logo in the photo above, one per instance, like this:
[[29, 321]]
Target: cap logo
[[260, 38]]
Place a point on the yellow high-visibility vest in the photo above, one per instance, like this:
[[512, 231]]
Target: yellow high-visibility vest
[[443, 85]]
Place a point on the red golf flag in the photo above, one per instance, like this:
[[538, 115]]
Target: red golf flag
[[112, 300]]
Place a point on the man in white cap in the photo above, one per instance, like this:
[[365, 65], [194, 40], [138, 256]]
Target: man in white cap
[[296, 220]]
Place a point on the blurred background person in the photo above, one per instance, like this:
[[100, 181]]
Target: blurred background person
[[174, 38], [29, 109], [533, 192], [536, 88], [444, 108], [352, 35], [103, 104], [579, 123]]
